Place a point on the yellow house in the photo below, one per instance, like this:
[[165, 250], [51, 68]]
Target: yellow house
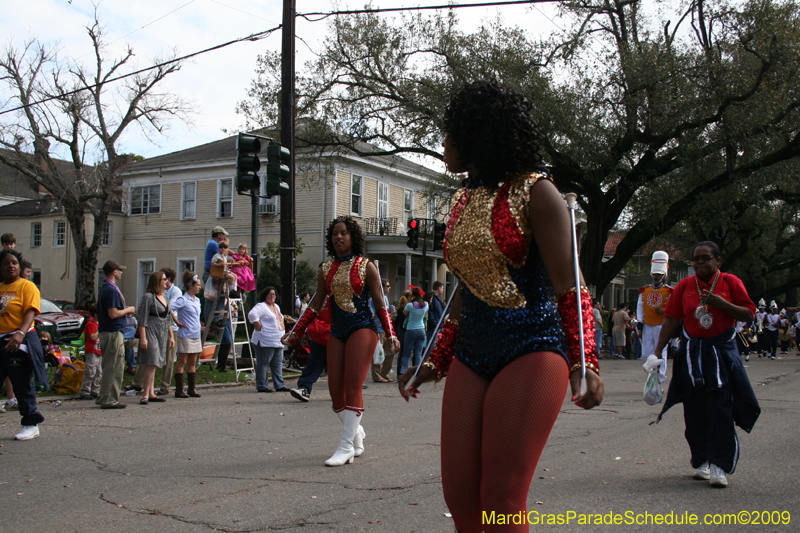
[[44, 238], [172, 202]]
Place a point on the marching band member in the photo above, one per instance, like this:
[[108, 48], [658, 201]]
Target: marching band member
[[348, 279], [650, 309]]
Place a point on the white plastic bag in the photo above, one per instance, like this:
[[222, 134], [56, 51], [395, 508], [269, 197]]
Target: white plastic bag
[[653, 391], [379, 356], [209, 292]]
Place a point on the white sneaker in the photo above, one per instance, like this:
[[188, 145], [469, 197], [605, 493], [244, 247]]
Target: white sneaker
[[702, 472], [27, 433], [301, 394], [718, 477], [12, 403]]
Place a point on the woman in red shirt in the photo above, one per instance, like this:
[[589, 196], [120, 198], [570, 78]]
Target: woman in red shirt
[[708, 375]]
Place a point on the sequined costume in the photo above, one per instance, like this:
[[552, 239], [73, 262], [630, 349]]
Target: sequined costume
[[507, 305], [346, 283]]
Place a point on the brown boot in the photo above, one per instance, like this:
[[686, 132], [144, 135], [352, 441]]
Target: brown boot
[[179, 387], [192, 391]]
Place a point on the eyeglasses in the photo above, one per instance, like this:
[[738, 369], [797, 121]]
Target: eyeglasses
[[705, 258]]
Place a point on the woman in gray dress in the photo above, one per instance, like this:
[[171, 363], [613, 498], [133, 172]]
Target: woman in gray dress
[[155, 334]]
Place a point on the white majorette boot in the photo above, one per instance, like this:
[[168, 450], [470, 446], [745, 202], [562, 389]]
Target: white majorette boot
[[358, 441], [345, 453]]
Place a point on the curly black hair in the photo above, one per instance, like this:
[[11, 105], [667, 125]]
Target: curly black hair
[[356, 235], [492, 128]]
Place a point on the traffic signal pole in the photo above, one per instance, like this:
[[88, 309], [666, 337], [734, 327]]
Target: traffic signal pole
[[424, 254], [287, 139]]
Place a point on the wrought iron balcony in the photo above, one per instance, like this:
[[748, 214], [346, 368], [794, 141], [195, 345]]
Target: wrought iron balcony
[[380, 226]]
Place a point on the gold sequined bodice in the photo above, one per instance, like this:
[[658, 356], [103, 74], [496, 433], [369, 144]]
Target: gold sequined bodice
[[345, 279], [488, 231]]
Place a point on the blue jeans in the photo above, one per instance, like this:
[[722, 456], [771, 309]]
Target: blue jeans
[[316, 365], [636, 352], [268, 359], [18, 368], [414, 341], [598, 340]]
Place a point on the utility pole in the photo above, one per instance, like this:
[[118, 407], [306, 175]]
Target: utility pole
[[287, 139]]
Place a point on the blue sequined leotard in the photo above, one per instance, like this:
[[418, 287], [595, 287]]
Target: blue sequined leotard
[[346, 283], [507, 303]]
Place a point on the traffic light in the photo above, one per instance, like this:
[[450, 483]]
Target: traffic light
[[278, 160], [439, 229], [413, 233], [247, 164]]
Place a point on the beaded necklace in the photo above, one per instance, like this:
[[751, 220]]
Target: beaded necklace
[[163, 323], [701, 313]]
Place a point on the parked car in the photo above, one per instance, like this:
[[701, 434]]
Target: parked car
[[66, 305], [63, 325]]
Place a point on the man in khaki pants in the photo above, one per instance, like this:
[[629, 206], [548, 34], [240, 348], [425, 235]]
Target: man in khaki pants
[[111, 313]]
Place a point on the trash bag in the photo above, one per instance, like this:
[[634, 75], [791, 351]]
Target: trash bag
[[68, 378], [653, 391]]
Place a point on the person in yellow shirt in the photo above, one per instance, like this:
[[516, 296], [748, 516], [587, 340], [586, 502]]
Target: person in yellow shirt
[[19, 304], [650, 309]]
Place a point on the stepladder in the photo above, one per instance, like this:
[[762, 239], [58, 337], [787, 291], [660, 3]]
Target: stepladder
[[228, 314]]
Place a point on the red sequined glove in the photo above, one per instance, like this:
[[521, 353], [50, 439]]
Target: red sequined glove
[[386, 322], [568, 309], [308, 317], [442, 354]]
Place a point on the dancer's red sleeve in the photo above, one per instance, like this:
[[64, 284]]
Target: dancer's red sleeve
[[568, 309], [386, 321], [308, 317], [442, 354]]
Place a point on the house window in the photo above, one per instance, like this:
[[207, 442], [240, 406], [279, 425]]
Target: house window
[[60, 233], [225, 203], [146, 267], [36, 278], [431, 207], [267, 206], [356, 184], [383, 200], [36, 234], [408, 206], [185, 264], [106, 239], [188, 200], [146, 200]]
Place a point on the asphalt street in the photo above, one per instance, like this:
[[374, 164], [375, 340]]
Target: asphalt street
[[239, 461]]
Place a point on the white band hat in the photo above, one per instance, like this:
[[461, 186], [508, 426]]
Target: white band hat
[[659, 264]]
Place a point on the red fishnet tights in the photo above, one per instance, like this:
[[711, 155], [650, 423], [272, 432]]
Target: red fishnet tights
[[493, 434], [348, 365]]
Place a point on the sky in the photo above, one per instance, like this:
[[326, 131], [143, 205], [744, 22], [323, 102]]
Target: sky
[[213, 82]]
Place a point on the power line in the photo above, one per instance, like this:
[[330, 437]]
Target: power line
[[252, 37], [241, 11], [323, 15]]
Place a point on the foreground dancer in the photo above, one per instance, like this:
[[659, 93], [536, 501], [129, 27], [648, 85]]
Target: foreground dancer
[[707, 374], [504, 348], [348, 279]]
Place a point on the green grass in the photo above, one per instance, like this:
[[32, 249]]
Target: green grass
[[205, 376]]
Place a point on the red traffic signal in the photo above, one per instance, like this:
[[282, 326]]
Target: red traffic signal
[[413, 233]]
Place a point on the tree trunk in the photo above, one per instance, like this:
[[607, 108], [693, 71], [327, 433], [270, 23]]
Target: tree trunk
[[85, 255]]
